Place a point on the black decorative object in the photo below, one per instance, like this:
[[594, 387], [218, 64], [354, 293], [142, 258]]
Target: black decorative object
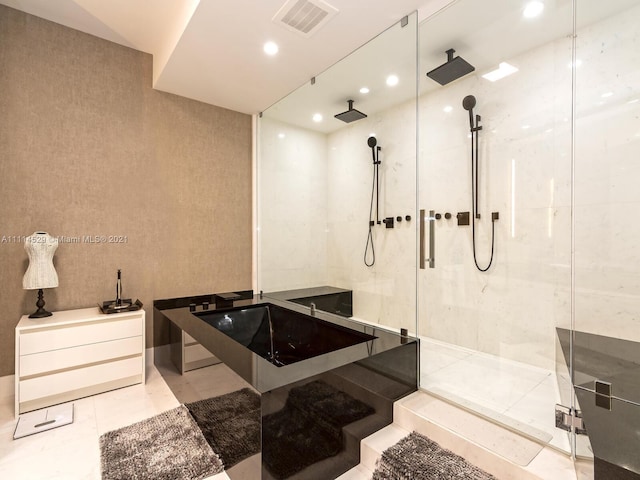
[[127, 306], [120, 304], [40, 312]]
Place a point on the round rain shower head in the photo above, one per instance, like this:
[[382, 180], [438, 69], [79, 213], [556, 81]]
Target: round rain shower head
[[469, 102], [372, 142]]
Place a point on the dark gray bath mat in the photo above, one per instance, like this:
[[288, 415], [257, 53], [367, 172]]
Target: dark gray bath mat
[[168, 446], [309, 427], [415, 457], [230, 423]]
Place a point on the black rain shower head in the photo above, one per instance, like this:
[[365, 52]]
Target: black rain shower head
[[350, 115], [455, 68]]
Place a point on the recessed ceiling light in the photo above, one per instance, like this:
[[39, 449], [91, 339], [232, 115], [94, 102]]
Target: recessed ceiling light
[[525, 127], [606, 94], [281, 135], [448, 109], [364, 90], [503, 70], [635, 100], [392, 80], [317, 117], [533, 9], [270, 48]]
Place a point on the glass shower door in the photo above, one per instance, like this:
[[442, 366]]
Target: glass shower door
[[495, 177], [607, 260], [337, 186]]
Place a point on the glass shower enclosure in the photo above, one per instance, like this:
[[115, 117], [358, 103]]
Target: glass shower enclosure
[[337, 185], [495, 173], [521, 277]]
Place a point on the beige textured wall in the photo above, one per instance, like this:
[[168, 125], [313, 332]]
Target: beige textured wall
[[87, 147]]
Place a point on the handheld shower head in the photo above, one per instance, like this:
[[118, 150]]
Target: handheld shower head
[[468, 103], [372, 142]]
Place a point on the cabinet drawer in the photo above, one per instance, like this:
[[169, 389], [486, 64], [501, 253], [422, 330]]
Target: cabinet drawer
[[48, 339], [66, 358], [68, 381]]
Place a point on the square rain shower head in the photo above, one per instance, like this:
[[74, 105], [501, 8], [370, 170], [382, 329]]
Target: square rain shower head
[[350, 115], [452, 70]]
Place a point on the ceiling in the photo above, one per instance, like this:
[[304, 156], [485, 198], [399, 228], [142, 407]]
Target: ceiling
[[211, 50], [483, 36]]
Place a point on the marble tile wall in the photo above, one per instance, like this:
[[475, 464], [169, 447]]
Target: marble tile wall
[[385, 292], [292, 208], [314, 209], [607, 197], [526, 175]]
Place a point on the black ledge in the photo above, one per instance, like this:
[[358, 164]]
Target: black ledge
[[167, 303], [263, 375]]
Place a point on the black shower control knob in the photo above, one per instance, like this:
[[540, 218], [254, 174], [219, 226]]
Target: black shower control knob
[[447, 215], [438, 216], [407, 218], [398, 218]]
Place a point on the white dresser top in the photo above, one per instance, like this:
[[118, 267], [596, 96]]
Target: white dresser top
[[69, 317]]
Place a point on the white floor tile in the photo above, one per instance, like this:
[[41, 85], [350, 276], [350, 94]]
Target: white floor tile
[[502, 389]]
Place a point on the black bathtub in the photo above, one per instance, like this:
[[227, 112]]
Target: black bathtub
[[282, 336]]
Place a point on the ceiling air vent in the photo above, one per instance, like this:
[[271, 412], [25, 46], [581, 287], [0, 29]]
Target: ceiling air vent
[[304, 16]]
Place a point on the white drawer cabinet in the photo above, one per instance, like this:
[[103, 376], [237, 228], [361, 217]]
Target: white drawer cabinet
[[76, 353]]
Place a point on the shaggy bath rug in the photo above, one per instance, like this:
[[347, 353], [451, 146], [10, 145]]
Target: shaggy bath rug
[[309, 427], [415, 457], [168, 446], [230, 423]]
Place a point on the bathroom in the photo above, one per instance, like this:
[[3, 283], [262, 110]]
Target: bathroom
[[555, 157], [554, 153]]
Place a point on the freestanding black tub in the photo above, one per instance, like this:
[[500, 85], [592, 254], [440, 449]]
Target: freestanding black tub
[[280, 335]]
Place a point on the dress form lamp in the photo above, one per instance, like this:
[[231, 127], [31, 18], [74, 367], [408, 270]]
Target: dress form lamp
[[41, 274]]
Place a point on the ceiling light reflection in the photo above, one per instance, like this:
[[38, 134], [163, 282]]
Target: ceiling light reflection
[[533, 9], [504, 70]]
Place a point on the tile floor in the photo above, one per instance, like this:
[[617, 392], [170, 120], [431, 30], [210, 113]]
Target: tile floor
[[513, 393], [478, 381], [71, 452]]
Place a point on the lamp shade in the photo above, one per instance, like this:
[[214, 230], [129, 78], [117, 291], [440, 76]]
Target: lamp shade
[[40, 247]]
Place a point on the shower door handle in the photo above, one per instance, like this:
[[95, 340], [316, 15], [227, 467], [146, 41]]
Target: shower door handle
[[432, 238]]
